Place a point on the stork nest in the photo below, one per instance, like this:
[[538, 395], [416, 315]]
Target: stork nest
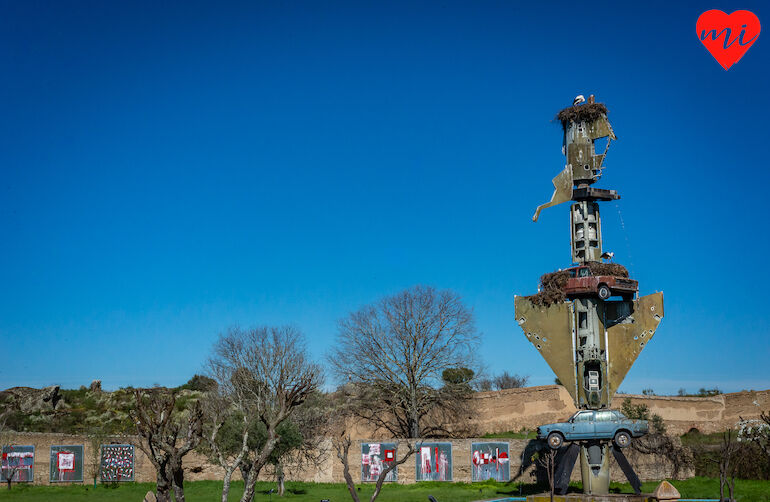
[[587, 112], [552, 284]]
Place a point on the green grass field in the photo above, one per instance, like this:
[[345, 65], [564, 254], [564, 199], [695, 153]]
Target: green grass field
[[209, 491]]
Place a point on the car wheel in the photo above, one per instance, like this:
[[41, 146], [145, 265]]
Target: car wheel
[[604, 292], [622, 439], [555, 440]]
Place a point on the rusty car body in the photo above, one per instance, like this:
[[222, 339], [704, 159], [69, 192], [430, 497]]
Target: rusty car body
[[581, 281]]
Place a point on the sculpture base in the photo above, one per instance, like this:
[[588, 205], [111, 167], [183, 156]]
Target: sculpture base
[[582, 497]]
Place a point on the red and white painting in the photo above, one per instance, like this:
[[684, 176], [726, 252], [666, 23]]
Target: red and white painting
[[375, 458], [17, 464], [66, 463], [490, 461], [434, 462]]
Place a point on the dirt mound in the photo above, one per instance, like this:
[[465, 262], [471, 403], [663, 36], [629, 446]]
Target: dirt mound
[[552, 284], [581, 113]]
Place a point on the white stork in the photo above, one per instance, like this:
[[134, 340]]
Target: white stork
[[607, 255]]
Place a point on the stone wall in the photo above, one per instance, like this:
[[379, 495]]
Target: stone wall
[[496, 412], [197, 467]]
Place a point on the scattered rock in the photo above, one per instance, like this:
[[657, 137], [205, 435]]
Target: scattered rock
[[150, 497], [29, 400], [51, 395], [96, 386], [666, 491]]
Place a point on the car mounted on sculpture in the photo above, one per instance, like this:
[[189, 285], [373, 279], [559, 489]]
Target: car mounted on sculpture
[[582, 281], [593, 424]]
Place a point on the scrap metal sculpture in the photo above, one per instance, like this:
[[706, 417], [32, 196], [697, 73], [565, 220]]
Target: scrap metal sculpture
[[589, 340]]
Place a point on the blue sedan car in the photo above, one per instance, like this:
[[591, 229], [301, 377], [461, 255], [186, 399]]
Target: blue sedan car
[[593, 424]]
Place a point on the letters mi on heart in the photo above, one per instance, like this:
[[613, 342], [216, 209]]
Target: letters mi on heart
[[727, 36]]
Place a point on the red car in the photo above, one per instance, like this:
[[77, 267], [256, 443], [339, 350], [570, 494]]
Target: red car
[[581, 281]]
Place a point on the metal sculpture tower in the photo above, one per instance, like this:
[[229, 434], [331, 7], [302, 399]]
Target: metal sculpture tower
[[588, 340]]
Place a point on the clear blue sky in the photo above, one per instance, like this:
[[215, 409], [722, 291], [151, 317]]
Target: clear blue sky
[[170, 169]]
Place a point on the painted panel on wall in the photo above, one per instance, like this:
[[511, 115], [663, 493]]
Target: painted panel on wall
[[117, 462], [490, 461], [376, 457], [18, 463], [66, 463], [434, 462]]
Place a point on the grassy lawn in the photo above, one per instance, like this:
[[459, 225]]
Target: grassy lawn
[[209, 491]]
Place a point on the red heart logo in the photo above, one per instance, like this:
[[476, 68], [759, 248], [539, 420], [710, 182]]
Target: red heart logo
[[727, 37]]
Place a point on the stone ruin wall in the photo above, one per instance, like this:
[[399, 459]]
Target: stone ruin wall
[[197, 467], [500, 411]]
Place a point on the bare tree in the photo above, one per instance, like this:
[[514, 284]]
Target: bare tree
[[96, 437], [166, 437], [484, 384], [267, 371], [727, 462], [8, 471], [546, 459], [507, 381], [303, 439], [390, 357], [226, 450]]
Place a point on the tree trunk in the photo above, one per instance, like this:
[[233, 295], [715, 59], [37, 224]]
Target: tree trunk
[[163, 486], [280, 476], [226, 483], [250, 486], [551, 473], [343, 456], [245, 468], [414, 417], [380, 478], [256, 466], [177, 480], [721, 487]]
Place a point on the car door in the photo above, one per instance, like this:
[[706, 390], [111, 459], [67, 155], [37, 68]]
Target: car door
[[583, 425], [605, 424], [584, 279]]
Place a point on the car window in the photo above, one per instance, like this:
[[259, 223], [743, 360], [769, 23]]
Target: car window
[[572, 272], [586, 416], [605, 416], [583, 272], [620, 415]]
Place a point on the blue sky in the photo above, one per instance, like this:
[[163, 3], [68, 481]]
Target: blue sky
[[171, 169]]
